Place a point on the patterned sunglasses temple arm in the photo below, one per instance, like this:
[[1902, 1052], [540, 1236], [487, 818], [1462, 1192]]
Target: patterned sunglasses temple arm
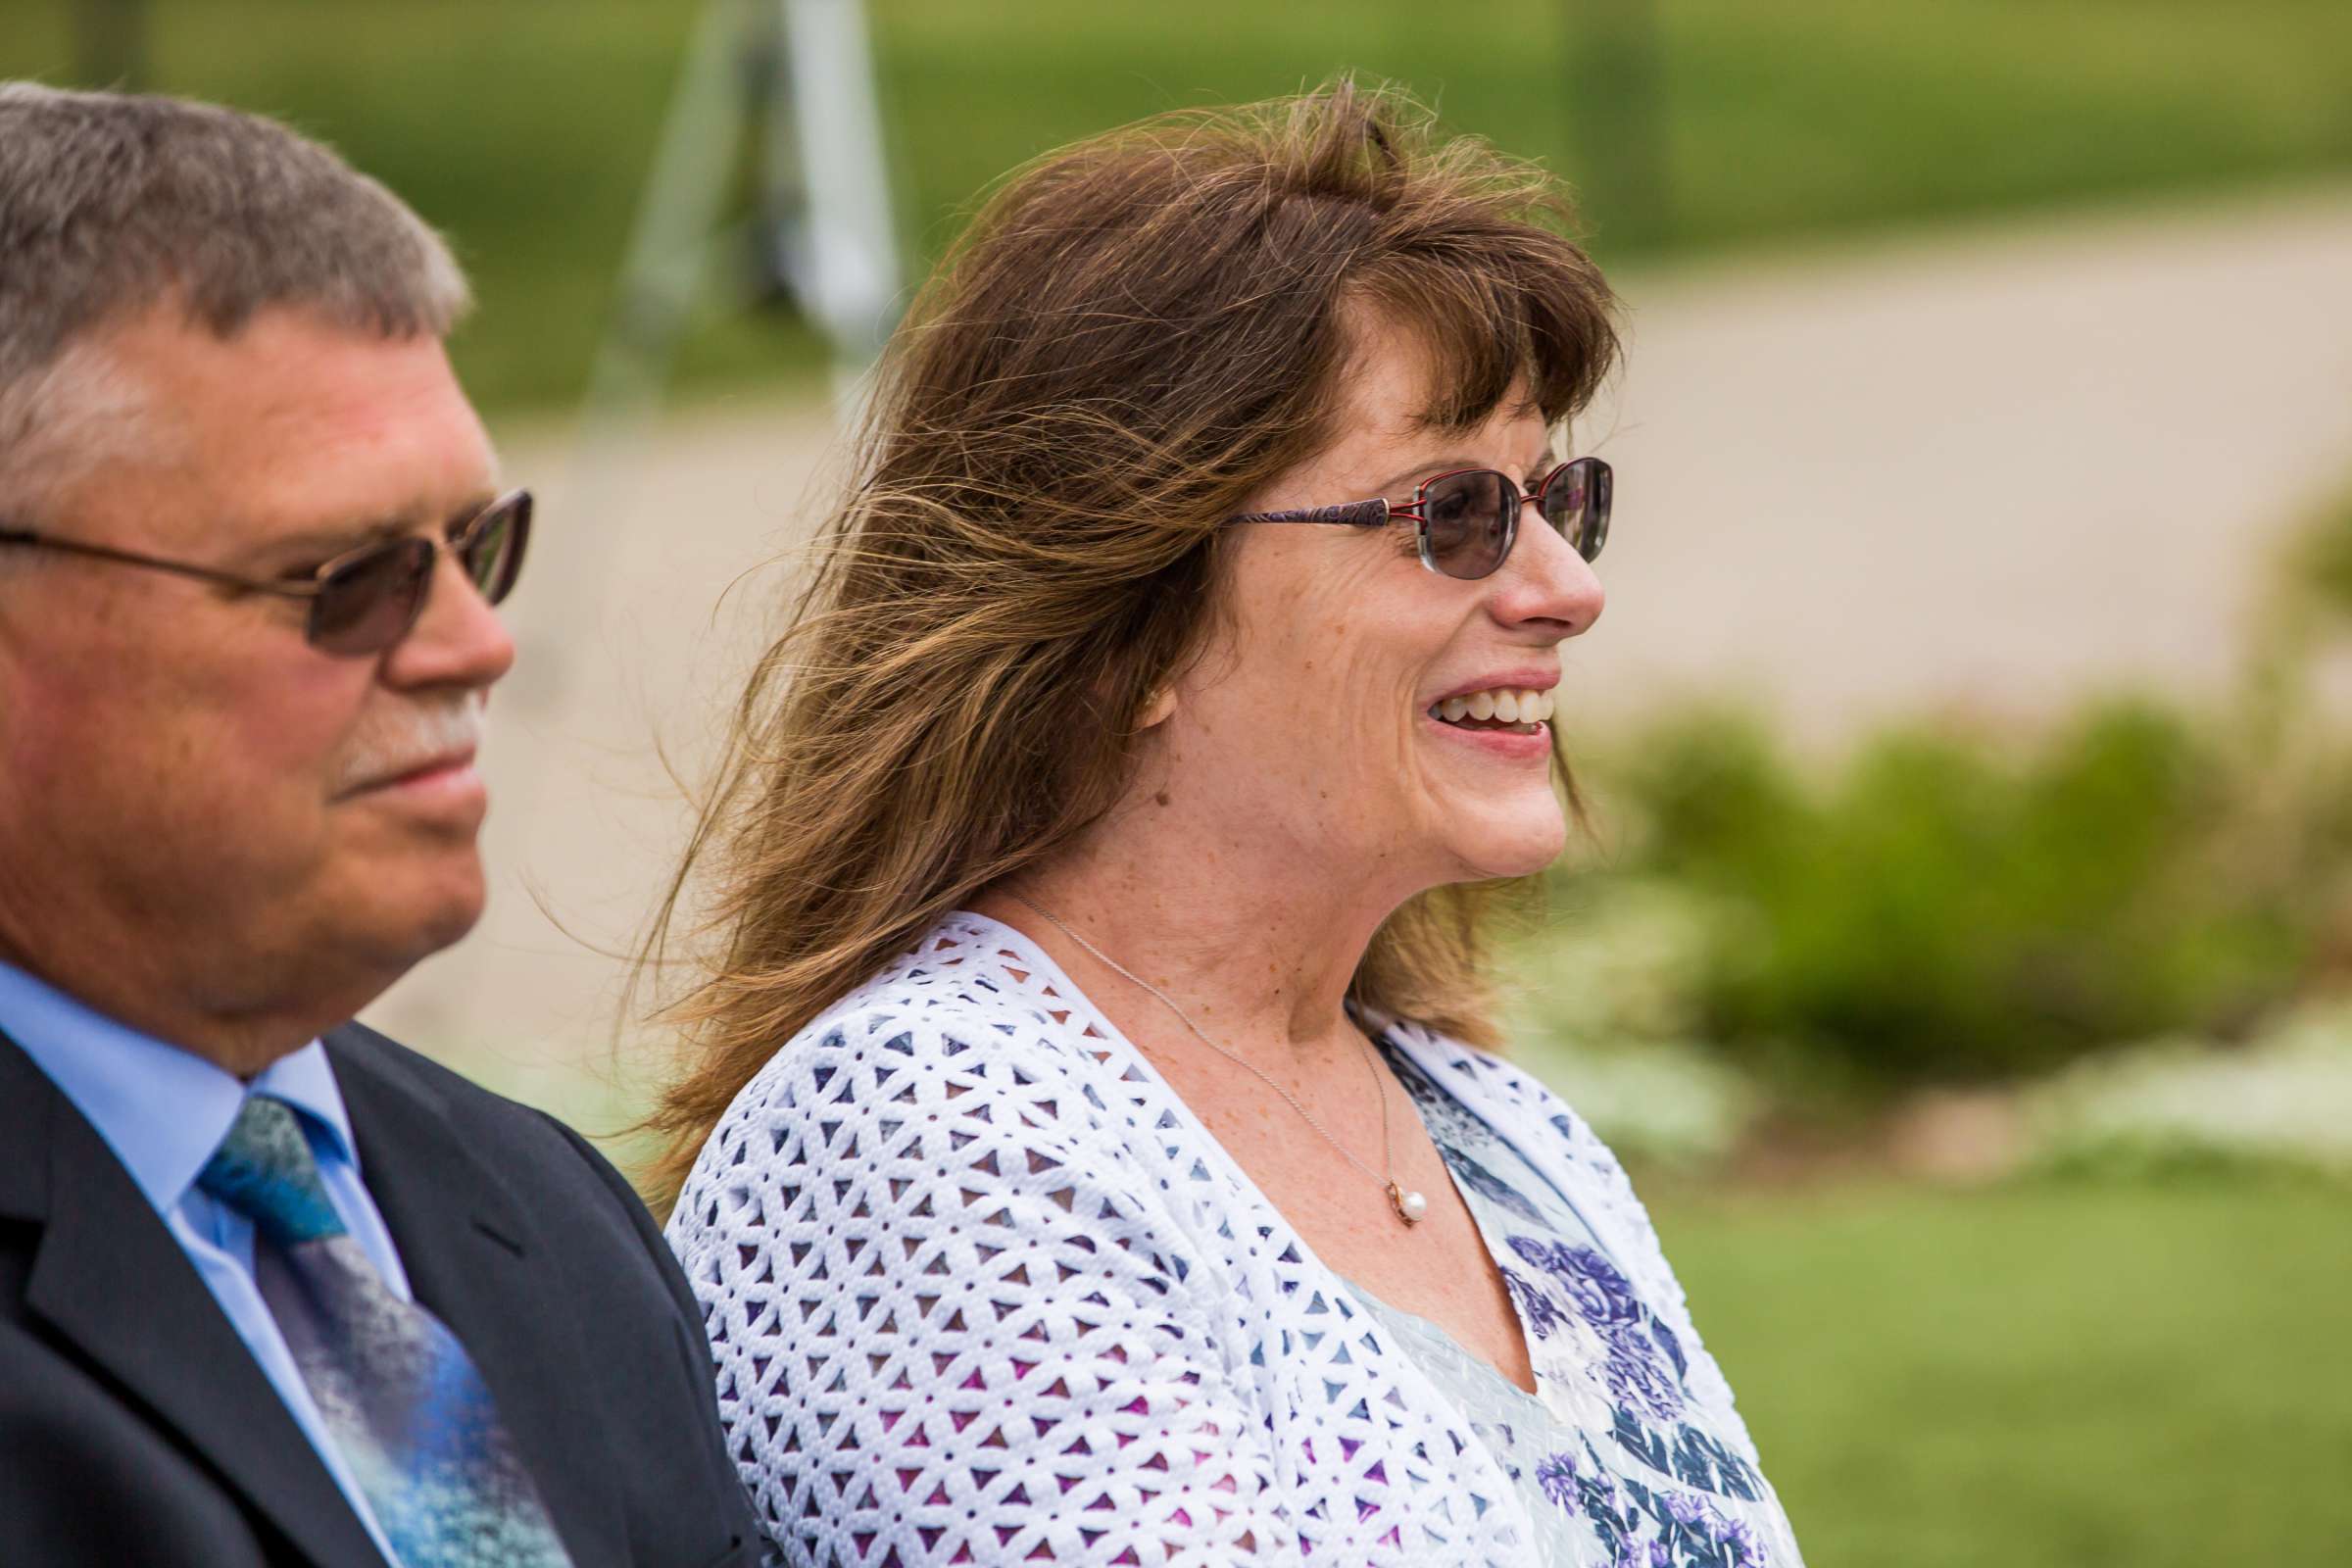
[[1351, 514]]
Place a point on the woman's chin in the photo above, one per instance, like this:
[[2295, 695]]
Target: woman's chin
[[1509, 848]]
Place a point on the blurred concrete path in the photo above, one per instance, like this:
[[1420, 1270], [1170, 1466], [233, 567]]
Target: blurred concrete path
[[1989, 469]]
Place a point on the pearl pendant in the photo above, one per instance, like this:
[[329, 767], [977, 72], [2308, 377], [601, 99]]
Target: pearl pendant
[[1410, 1206]]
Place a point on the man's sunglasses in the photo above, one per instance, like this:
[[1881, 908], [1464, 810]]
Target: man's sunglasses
[[1467, 520], [363, 602]]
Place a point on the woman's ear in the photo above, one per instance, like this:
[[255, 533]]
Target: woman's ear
[[1156, 708]]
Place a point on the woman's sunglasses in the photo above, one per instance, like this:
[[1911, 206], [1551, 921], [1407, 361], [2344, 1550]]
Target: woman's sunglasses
[[363, 602], [1467, 521]]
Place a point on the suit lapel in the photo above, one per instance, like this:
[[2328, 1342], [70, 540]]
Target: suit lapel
[[475, 1261], [109, 1278]]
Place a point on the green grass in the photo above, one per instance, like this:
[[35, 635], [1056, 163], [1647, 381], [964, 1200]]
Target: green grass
[[2047, 1375], [525, 128]]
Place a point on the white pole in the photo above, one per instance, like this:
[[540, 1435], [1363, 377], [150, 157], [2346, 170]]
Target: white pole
[[669, 246], [846, 263]]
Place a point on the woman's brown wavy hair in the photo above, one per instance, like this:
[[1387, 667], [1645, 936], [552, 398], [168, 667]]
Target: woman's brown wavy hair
[[1134, 336]]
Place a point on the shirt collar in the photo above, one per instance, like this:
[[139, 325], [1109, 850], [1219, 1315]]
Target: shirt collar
[[162, 1111]]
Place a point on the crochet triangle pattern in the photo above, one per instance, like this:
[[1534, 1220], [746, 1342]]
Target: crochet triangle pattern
[[980, 1289]]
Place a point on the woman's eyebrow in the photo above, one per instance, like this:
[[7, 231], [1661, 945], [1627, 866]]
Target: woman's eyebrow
[[1422, 471]]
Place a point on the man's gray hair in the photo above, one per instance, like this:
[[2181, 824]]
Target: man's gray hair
[[111, 204]]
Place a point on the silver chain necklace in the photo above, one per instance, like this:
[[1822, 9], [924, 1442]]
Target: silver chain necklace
[[1410, 1206]]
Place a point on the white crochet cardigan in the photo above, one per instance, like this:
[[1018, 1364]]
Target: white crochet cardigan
[[981, 1288]]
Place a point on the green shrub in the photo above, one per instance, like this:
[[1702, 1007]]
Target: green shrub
[[1945, 907], [2319, 561]]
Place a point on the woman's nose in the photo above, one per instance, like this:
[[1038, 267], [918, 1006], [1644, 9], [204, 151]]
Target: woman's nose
[[1547, 580]]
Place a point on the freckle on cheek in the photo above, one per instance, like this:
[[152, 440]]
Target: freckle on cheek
[[1161, 797]]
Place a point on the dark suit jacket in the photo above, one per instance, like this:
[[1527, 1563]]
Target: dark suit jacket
[[136, 1429]]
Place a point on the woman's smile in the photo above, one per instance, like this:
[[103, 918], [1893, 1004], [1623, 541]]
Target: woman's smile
[[1521, 740], [1505, 716], [1496, 706]]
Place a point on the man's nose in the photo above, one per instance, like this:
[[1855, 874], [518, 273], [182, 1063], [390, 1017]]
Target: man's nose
[[459, 639]]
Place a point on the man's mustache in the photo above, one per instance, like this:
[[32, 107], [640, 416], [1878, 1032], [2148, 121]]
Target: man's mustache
[[418, 738]]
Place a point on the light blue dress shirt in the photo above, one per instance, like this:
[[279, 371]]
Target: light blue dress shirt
[[162, 1111]]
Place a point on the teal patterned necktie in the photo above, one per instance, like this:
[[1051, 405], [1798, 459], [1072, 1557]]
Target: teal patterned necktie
[[400, 1397]]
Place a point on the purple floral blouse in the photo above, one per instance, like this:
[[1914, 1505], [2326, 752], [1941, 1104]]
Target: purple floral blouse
[[1620, 1458]]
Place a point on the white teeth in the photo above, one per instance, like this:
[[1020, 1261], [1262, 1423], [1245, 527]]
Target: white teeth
[[1508, 706]]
